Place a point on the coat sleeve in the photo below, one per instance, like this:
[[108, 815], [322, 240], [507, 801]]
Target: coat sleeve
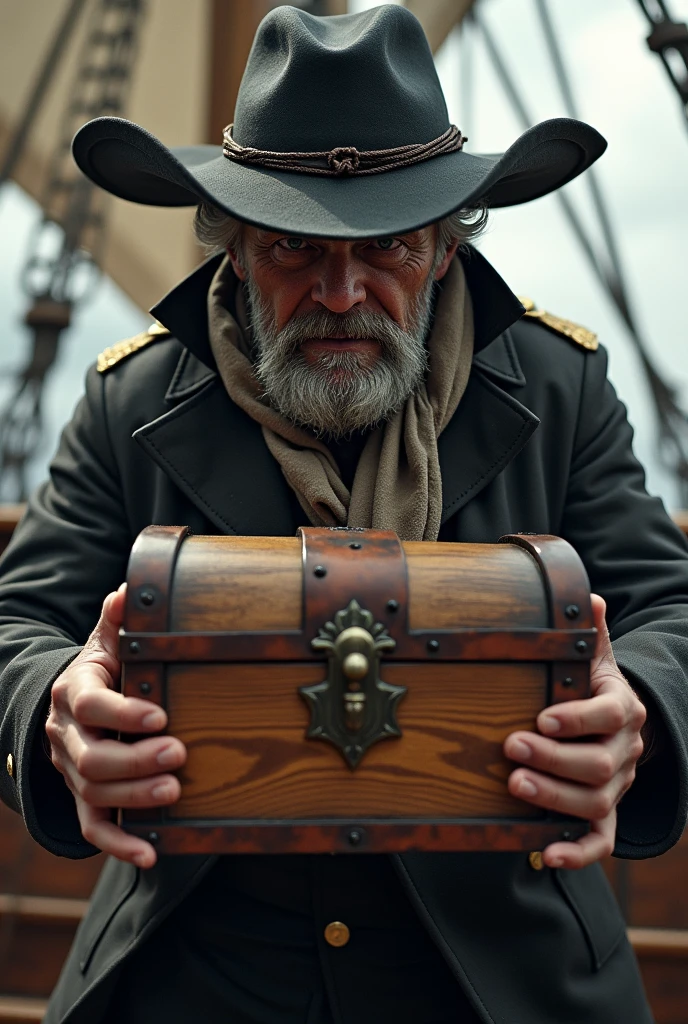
[[637, 560], [68, 552]]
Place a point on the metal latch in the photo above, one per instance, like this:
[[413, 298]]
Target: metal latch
[[353, 708]]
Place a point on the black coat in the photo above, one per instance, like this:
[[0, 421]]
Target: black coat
[[539, 443]]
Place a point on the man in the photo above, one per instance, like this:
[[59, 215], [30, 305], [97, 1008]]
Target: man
[[346, 358]]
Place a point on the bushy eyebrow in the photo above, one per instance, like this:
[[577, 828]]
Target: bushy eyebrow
[[410, 238]]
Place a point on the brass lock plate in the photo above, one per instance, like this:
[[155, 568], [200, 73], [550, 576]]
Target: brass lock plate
[[353, 707]]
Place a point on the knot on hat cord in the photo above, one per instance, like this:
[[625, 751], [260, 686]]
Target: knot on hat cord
[[343, 161]]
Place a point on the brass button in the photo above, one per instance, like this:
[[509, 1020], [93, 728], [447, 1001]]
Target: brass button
[[535, 860], [10, 766], [337, 934]]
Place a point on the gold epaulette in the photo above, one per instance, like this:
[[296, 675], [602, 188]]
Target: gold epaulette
[[116, 353], [574, 332]]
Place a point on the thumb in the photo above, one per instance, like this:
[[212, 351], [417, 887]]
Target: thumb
[[603, 650], [103, 643]]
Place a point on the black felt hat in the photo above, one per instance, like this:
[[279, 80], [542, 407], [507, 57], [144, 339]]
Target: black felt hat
[[340, 130]]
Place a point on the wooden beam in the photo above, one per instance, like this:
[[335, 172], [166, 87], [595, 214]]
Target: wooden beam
[[44, 907], [232, 26], [20, 1008], [438, 17], [680, 517], [664, 942]]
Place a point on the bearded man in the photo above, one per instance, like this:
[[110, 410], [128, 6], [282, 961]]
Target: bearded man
[[345, 357]]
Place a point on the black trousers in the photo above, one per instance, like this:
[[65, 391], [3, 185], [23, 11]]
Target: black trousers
[[249, 946]]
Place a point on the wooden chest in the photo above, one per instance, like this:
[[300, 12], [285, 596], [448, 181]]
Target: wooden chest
[[342, 691]]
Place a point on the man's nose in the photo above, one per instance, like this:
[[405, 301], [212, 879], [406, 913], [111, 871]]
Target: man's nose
[[339, 286]]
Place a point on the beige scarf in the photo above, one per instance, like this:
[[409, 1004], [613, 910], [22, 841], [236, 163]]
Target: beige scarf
[[397, 484]]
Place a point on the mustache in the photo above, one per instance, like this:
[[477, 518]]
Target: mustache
[[361, 395], [354, 325]]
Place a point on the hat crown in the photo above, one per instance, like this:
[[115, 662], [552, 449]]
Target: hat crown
[[366, 80]]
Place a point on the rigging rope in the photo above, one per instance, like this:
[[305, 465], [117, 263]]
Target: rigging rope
[[672, 421], [60, 43], [669, 39], [66, 245], [467, 75]]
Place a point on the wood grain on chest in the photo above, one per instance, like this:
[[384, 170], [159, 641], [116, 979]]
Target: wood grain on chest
[[343, 691]]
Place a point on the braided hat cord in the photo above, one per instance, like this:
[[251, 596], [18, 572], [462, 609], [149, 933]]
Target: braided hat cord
[[343, 161]]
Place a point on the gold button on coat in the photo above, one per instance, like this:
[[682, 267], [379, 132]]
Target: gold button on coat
[[535, 860], [10, 766], [337, 934]]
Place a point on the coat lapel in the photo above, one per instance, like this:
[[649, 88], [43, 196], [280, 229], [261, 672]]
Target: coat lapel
[[184, 310], [217, 456], [212, 450], [488, 430]]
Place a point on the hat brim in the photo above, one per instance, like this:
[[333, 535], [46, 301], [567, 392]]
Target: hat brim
[[129, 162]]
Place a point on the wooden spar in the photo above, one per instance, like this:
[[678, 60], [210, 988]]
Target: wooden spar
[[233, 26], [438, 17]]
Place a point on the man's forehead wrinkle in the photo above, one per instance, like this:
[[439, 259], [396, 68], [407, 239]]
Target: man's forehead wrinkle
[[184, 309], [408, 236]]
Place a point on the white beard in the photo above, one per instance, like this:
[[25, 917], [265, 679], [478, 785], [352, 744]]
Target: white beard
[[340, 392]]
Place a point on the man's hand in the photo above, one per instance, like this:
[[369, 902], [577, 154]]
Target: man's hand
[[587, 778], [105, 773]]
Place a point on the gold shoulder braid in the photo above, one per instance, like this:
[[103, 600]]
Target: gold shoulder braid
[[116, 353], [574, 332]]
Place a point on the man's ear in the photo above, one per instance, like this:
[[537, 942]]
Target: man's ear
[[443, 267], [237, 265]]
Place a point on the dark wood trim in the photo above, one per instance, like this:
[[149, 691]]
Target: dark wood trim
[[458, 645], [563, 575], [364, 836], [340, 564], [149, 578]]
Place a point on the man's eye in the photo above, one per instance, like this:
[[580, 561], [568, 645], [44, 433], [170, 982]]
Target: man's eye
[[294, 244], [386, 244]]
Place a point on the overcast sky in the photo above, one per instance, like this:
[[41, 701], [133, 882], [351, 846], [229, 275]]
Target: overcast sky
[[621, 89]]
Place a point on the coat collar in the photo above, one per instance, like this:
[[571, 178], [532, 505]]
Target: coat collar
[[184, 310], [216, 454]]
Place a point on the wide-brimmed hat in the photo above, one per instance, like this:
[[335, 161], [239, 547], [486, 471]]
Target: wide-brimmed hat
[[340, 130]]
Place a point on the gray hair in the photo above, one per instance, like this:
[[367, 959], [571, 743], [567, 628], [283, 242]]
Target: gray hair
[[216, 230]]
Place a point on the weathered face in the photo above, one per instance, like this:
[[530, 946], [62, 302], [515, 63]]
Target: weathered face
[[340, 326]]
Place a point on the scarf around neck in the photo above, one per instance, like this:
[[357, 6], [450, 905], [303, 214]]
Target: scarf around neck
[[397, 484]]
